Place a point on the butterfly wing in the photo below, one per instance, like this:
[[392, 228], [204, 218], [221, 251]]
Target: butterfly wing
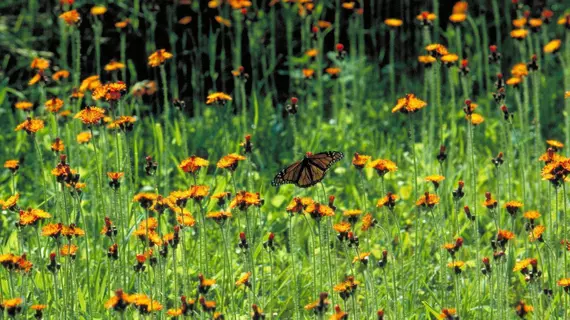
[[291, 174]]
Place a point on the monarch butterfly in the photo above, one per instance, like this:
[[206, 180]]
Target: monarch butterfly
[[309, 171]]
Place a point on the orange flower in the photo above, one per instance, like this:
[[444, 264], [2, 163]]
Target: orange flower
[[57, 145], [317, 210], [230, 161], [123, 122], [426, 16], [383, 166], [244, 199], [519, 34], [110, 91], [308, 73], [368, 222], [52, 230], [12, 165], [159, 57], [199, 192], [393, 23], [11, 202], [457, 17], [333, 72], [91, 115], [436, 49], [71, 17], [363, 258], [536, 233], [123, 23], [389, 201], [223, 21], [84, 137], [30, 125], [114, 66], [61, 74], [243, 280], [72, 231], [53, 104], [186, 219], [68, 250], [359, 161], [193, 164], [409, 104], [218, 98], [98, 10], [24, 105], [553, 46], [39, 64], [428, 200], [475, 119], [90, 83], [449, 58], [185, 20]]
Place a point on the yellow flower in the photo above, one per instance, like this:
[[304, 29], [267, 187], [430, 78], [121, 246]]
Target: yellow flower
[[536, 233], [393, 23], [84, 137], [24, 105], [53, 104], [90, 83], [531, 215], [230, 161], [449, 58], [61, 74], [553, 46], [71, 17], [223, 21], [519, 23], [218, 98], [114, 66], [457, 17], [383, 166], [312, 53], [409, 104], [98, 10], [12, 165], [39, 64], [427, 60], [30, 125], [514, 81], [91, 115], [159, 57], [519, 34], [475, 119]]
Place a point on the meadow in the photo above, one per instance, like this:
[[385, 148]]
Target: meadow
[[284, 159]]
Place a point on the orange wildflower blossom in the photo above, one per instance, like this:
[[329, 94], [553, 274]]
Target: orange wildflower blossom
[[193, 164], [71, 18], [219, 98], [145, 199], [393, 23], [57, 145], [428, 200], [124, 123], [24, 105], [53, 105], [513, 207], [426, 18], [12, 165], [383, 166], [409, 104], [219, 216], [435, 180], [84, 137], [61, 74], [519, 34], [343, 229], [503, 236], [522, 309], [91, 115], [362, 258], [338, 314], [360, 160], [98, 10], [90, 83], [536, 233], [244, 199], [368, 222], [436, 49], [388, 201], [12, 306], [199, 192], [122, 24], [111, 91], [39, 64], [185, 219], [320, 306], [489, 202], [448, 314], [318, 211], [297, 205], [11, 203], [30, 125], [159, 57], [119, 302], [553, 46], [114, 66], [223, 21], [457, 266], [565, 284], [244, 280], [230, 161], [555, 144]]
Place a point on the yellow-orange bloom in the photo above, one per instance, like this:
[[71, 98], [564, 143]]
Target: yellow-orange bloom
[[218, 98], [39, 64], [98, 10], [114, 66], [30, 125], [553, 46], [84, 137], [91, 115], [159, 57], [24, 105], [519, 34], [393, 23], [61, 74], [230, 161], [223, 21], [193, 164], [71, 17], [53, 104], [409, 104]]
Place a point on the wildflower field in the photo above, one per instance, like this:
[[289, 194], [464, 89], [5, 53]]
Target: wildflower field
[[284, 159]]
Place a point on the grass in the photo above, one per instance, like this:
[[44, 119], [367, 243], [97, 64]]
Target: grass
[[160, 204]]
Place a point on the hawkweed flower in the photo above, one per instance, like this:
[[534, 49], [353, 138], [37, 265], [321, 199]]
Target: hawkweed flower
[[436, 50], [340, 52], [426, 18], [243, 280], [243, 244], [486, 269], [68, 250], [247, 145], [53, 265], [555, 144], [531, 216], [230, 161], [435, 180], [427, 60], [52, 230], [30, 125], [503, 236], [71, 231], [489, 202], [352, 215], [393, 23], [553, 46], [494, 54], [113, 251], [320, 306], [383, 166], [297, 205], [353, 241], [342, 228], [380, 314], [244, 199], [114, 177], [359, 161], [551, 156], [442, 155], [207, 306], [468, 213], [32, 216], [193, 164], [522, 309], [457, 266], [565, 21], [91, 115], [383, 260], [459, 193], [119, 302], [240, 73], [159, 57], [145, 305], [38, 308], [220, 217], [57, 145], [317, 211], [140, 266], [185, 219], [150, 166], [12, 306], [428, 200], [535, 24], [109, 229], [513, 207], [409, 104], [113, 66], [11, 203], [71, 18], [449, 59], [53, 105], [536, 233], [448, 314], [24, 105], [218, 98], [531, 273], [457, 18], [84, 137], [292, 107], [257, 313], [347, 287], [388, 201], [362, 258], [464, 67], [12, 262], [333, 72], [519, 34], [338, 314], [269, 245], [145, 199], [565, 284], [452, 248], [112, 91], [221, 197], [368, 222], [12, 165], [506, 115]]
